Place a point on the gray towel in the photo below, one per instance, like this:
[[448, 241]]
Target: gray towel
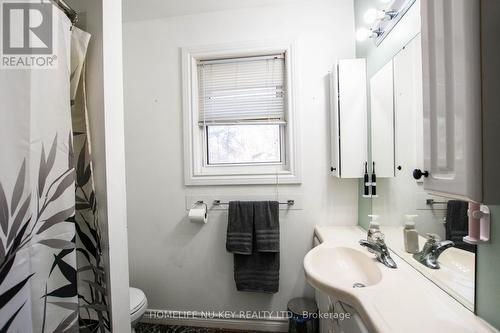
[[267, 227], [259, 270], [457, 224], [240, 227]]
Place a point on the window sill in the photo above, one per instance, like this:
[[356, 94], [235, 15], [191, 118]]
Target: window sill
[[242, 180]]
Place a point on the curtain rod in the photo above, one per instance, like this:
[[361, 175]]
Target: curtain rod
[[70, 12]]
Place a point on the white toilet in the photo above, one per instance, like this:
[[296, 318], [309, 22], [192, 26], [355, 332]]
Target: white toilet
[[138, 305]]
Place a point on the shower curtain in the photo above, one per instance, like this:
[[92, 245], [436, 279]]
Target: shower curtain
[[51, 275], [92, 292]]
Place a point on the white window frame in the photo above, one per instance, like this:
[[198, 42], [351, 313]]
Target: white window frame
[[196, 172]]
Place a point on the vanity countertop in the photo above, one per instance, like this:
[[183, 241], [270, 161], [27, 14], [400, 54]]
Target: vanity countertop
[[404, 300], [456, 276]]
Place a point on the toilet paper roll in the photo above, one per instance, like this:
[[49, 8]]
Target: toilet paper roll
[[198, 214]]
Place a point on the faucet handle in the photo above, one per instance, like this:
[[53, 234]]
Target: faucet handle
[[433, 237], [379, 239]]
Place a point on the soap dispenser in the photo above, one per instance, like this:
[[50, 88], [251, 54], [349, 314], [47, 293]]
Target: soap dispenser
[[373, 228], [410, 234]]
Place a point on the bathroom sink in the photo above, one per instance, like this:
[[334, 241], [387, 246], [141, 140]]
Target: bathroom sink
[[458, 261], [456, 274], [337, 270]]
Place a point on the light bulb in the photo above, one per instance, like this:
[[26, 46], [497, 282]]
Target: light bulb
[[371, 16], [363, 34]]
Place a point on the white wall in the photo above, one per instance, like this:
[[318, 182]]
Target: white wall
[[183, 266]]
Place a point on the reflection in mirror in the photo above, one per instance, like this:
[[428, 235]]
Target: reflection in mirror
[[382, 120], [437, 224]]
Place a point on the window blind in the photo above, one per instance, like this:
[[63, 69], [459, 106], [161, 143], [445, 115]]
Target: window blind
[[242, 89]]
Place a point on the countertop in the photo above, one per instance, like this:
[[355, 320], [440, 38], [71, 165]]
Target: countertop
[[456, 275], [404, 300]]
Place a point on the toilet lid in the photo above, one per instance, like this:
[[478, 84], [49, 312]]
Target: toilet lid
[[137, 299]]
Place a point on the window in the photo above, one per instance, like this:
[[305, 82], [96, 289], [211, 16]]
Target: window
[[242, 108], [239, 125], [244, 144]]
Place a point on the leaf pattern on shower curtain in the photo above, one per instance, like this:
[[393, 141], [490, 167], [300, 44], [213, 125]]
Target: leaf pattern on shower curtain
[[94, 314], [23, 226], [91, 276]]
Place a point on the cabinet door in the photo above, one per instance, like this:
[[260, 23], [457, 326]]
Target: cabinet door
[[452, 98], [382, 120], [408, 118], [322, 301], [349, 118]]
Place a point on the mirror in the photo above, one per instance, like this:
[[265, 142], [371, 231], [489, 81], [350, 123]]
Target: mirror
[[382, 120], [396, 105]]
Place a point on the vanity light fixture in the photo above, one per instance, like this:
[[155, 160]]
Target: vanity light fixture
[[363, 34], [373, 15], [380, 22]]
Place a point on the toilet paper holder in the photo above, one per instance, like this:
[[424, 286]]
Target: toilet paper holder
[[200, 202], [198, 212]]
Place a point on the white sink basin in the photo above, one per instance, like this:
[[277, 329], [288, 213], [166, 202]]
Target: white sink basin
[[339, 270], [394, 300]]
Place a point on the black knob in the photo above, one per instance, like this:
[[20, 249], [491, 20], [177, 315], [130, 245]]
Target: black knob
[[417, 174], [399, 167], [332, 169]]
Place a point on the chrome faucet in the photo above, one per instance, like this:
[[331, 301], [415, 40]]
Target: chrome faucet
[[377, 245], [432, 250]]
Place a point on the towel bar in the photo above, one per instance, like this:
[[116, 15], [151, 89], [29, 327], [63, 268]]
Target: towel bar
[[431, 202], [288, 203]]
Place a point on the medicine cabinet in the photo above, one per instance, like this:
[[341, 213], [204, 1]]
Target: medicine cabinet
[[348, 116]]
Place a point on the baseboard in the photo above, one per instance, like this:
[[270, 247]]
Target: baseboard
[[215, 320]]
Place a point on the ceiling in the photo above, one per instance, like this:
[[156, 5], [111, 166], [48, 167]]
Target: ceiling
[[134, 10]]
